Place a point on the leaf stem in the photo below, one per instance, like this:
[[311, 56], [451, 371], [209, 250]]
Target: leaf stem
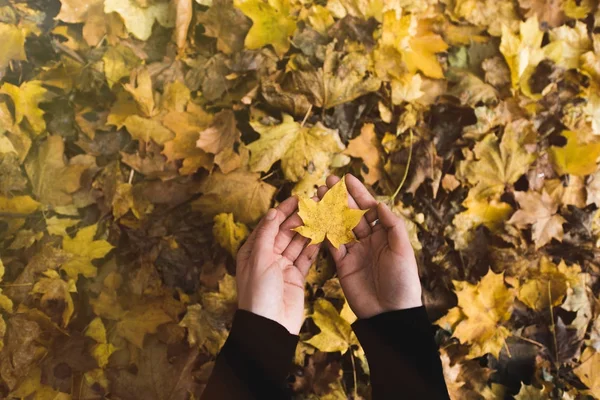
[[306, 116], [410, 149], [354, 375]]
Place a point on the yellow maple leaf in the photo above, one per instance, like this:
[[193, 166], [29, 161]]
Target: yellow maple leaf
[[241, 193], [26, 99], [299, 148], [344, 77], [329, 218], [415, 41], [145, 129], [576, 157], [18, 205], [102, 350], [139, 20], [481, 310], [589, 370], [547, 286], [272, 23], [336, 333], [523, 51], [141, 320], [13, 44], [84, 249], [498, 164], [228, 233], [567, 45], [53, 181]]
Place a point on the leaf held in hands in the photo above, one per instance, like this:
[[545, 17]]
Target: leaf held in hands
[[329, 218]]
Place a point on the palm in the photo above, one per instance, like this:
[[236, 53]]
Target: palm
[[368, 268], [378, 272]]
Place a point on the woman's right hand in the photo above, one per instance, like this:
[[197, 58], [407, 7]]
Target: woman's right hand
[[378, 272]]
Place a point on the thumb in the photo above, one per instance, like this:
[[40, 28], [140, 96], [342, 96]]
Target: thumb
[[266, 231], [396, 230]]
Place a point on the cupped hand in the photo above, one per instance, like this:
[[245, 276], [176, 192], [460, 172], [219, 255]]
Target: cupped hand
[[378, 272], [272, 266]]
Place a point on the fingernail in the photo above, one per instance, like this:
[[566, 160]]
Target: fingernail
[[271, 214]]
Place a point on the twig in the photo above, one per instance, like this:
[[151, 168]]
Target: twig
[[507, 350], [530, 341], [553, 326], [306, 116], [267, 176], [131, 173], [407, 167]]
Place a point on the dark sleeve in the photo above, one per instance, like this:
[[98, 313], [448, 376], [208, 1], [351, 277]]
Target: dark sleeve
[[254, 361], [402, 354]]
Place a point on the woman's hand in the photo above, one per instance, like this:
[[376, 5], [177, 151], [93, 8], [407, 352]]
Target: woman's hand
[[272, 267], [378, 273]]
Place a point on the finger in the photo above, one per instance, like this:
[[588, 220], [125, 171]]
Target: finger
[[285, 234], [363, 198], [397, 234], [307, 257], [321, 191], [265, 233], [295, 247], [337, 254], [363, 229]]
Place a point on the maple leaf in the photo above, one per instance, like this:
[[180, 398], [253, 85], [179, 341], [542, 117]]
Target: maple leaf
[[204, 329], [413, 39], [83, 250], [13, 46], [547, 286], [329, 218], [567, 45], [227, 24], [589, 370], [299, 148], [102, 350], [145, 129], [141, 320], [343, 77], [26, 99], [139, 20], [241, 193], [118, 62], [538, 210], [367, 147], [522, 52], [18, 205], [228, 233], [575, 157], [336, 333], [272, 23], [54, 182], [498, 164], [54, 289], [481, 310]]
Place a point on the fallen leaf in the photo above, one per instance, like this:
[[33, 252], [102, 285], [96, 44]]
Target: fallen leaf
[[575, 157], [241, 193], [538, 210], [272, 23], [299, 148], [228, 233], [336, 333], [26, 99], [139, 20], [83, 250], [481, 311], [368, 147]]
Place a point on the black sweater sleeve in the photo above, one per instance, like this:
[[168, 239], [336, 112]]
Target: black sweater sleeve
[[254, 361], [402, 354]]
